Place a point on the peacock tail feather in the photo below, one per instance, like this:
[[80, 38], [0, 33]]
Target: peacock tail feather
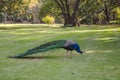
[[42, 48]]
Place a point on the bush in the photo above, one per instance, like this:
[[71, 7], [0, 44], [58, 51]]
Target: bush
[[48, 19]]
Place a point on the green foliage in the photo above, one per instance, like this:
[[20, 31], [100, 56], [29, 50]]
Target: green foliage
[[48, 19], [101, 15], [48, 8], [10, 6], [118, 13], [30, 10]]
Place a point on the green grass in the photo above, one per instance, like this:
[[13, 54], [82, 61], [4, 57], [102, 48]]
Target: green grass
[[100, 62]]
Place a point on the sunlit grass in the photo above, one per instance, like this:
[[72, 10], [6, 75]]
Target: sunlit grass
[[99, 62]]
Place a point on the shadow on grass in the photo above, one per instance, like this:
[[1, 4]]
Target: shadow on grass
[[15, 27], [41, 57]]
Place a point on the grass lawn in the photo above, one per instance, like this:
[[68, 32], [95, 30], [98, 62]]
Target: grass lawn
[[100, 62]]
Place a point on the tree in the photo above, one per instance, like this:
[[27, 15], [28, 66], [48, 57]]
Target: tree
[[99, 11], [108, 7], [88, 12], [34, 7], [69, 10], [9, 7], [116, 2]]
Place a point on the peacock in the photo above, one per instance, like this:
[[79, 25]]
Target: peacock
[[69, 45]]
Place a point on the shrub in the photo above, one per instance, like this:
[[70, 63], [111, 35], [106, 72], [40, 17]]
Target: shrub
[[48, 19]]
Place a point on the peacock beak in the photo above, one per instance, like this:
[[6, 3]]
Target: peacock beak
[[81, 52]]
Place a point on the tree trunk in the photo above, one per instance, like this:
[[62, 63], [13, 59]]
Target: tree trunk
[[71, 22], [70, 19], [106, 11]]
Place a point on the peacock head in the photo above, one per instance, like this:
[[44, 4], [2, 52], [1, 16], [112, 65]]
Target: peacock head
[[77, 48]]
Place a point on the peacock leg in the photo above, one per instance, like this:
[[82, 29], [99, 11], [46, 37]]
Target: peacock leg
[[68, 52]]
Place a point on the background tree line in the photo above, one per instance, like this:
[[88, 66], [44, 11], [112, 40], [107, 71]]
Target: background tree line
[[69, 12]]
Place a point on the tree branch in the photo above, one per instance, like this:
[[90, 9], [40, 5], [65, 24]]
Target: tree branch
[[76, 7], [67, 8], [60, 4]]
